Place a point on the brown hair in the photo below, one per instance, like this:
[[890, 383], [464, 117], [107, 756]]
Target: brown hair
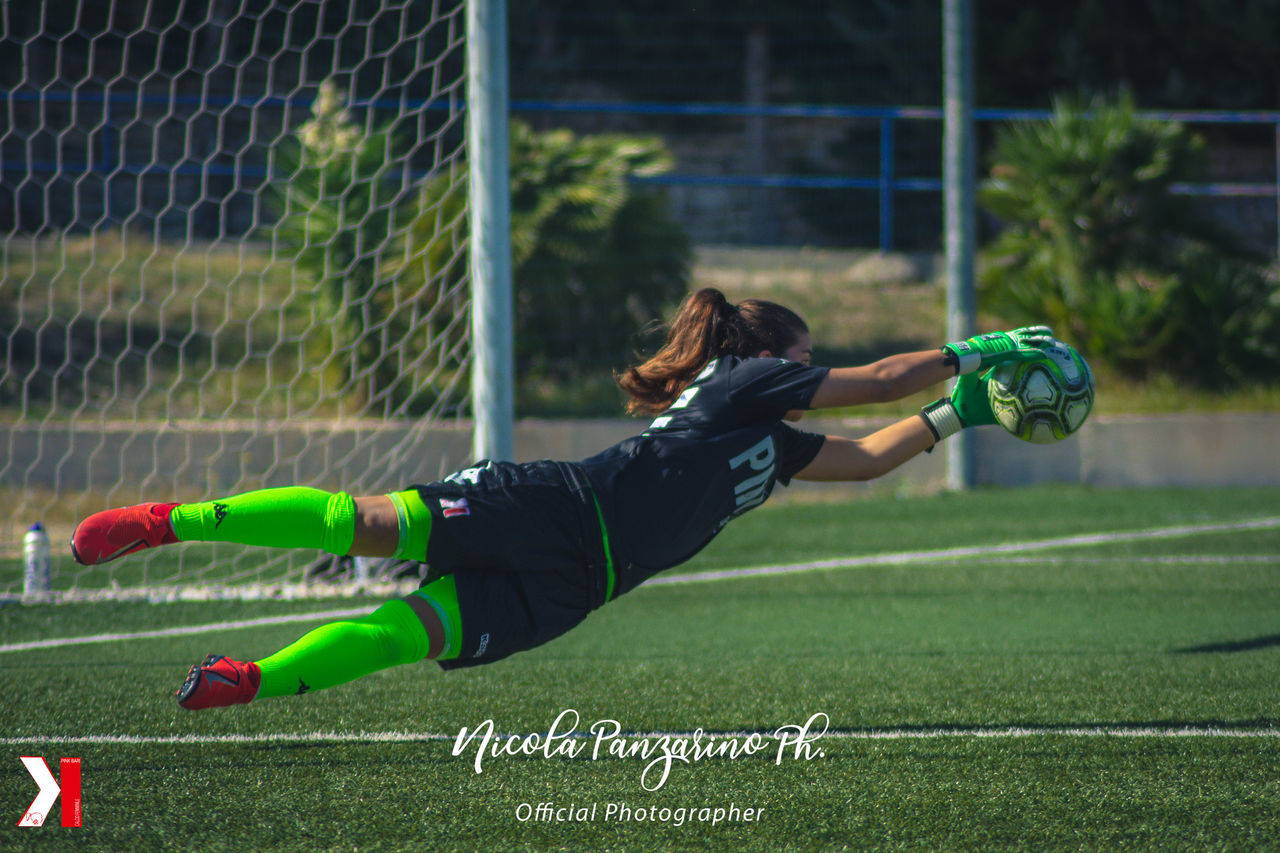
[[707, 326]]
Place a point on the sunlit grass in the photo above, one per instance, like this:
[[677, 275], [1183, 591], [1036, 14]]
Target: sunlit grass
[[1157, 634]]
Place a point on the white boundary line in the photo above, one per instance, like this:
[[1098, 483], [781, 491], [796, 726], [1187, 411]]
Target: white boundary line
[[906, 557], [998, 732], [892, 559], [186, 629], [1208, 560]]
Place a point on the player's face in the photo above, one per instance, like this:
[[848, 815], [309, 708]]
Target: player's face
[[801, 351]]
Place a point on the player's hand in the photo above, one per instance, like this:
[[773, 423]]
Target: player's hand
[[1033, 336], [993, 348], [967, 406], [971, 400]]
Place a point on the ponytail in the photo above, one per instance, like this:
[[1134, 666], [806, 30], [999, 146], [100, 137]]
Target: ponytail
[[705, 327]]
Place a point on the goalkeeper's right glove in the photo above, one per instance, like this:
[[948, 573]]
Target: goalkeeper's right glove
[[983, 351], [967, 406]]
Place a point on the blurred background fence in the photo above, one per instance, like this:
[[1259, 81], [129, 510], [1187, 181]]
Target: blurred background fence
[[817, 126], [768, 174]]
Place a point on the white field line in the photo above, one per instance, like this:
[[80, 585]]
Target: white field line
[[998, 732], [1208, 560], [187, 629], [940, 554], [892, 559]]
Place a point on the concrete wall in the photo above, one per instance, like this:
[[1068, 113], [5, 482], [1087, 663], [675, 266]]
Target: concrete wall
[[1152, 450], [1187, 450]]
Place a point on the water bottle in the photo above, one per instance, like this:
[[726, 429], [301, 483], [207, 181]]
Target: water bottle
[[364, 569], [37, 576]]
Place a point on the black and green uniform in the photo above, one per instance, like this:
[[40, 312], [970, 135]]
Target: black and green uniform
[[535, 547]]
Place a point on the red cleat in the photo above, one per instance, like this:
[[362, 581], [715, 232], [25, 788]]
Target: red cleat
[[218, 682], [112, 533]]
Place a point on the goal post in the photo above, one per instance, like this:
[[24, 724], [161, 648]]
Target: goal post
[[221, 270], [960, 210], [492, 322]]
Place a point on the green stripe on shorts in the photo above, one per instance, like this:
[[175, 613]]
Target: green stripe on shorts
[[442, 595], [608, 552]]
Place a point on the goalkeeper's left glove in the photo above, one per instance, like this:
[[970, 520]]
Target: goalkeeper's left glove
[[983, 351], [967, 406]]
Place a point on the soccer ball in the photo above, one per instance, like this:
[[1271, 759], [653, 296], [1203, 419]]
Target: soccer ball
[[1046, 400]]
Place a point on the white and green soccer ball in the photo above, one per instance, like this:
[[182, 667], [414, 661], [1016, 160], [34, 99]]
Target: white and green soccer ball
[[1046, 400]]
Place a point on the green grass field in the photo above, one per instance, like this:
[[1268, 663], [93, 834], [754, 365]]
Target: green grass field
[[1113, 691]]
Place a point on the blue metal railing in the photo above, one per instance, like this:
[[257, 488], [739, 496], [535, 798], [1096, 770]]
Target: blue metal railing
[[886, 182]]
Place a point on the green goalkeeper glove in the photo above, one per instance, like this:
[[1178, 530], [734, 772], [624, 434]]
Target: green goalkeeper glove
[[967, 406], [983, 351]]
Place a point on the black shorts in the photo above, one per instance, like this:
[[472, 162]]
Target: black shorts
[[524, 545]]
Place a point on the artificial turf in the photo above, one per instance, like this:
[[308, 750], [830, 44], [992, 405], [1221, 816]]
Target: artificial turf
[[1099, 695]]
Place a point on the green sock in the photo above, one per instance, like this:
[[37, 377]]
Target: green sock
[[342, 651], [415, 525], [292, 517]]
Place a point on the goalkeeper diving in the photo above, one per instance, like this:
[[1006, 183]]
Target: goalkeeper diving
[[517, 554]]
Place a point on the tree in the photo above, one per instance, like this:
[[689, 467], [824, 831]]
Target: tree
[[595, 256], [339, 194], [1095, 242]]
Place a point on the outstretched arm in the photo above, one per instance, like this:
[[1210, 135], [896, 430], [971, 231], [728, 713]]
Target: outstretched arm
[[888, 379], [902, 375], [870, 457], [886, 449]]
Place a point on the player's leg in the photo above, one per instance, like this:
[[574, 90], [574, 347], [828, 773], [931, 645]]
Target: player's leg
[[291, 517], [424, 625]]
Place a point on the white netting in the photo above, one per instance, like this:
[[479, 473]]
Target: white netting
[[231, 243]]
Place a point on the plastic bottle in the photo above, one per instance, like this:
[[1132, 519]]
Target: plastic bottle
[[364, 569], [37, 575]]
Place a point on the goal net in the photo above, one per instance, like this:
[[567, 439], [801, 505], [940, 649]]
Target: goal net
[[232, 249]]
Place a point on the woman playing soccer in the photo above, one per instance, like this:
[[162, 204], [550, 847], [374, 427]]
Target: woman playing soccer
[[519, 554]]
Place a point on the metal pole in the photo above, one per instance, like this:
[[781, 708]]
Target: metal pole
[[886, 184], [958, 194], [489, 188]]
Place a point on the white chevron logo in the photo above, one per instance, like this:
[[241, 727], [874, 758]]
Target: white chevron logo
[[49, 791]]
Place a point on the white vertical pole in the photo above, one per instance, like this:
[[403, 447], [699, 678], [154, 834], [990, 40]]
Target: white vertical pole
[[960, 210], [489, 188]]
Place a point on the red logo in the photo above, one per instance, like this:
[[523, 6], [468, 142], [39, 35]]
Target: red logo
[[49, 790], [453, 509]]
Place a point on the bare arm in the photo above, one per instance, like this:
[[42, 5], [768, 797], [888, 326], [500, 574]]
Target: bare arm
[[870, 457], [888, 379], [880, 452], [898, 376]]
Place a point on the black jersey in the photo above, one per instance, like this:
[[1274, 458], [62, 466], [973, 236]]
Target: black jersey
[[714, 454], [525, 544]]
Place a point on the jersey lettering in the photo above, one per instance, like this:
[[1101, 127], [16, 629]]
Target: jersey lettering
[[659, 423], [470, 475], [685, 398], [751, 491]]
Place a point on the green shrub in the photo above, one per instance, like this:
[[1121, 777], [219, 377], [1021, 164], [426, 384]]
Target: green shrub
[[339, 191], [1095, 243], [594, 257]]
